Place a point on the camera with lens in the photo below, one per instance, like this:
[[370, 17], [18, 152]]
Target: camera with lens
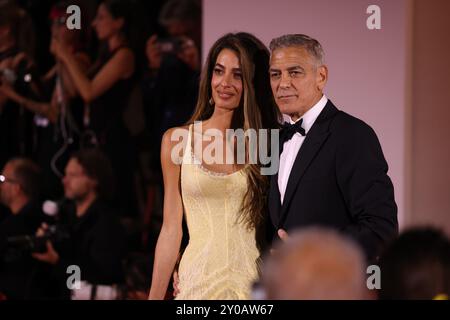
[[8, 75], [13, 78], [19, 78], [17, 246], [170, 45]]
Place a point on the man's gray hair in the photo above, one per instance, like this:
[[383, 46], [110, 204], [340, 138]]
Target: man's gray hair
[[315, 263], [299, 40], [181, 11]]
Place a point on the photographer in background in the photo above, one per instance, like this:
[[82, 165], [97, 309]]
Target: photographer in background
[[182, 21], [19, 190], [170, 83], [96, 242]]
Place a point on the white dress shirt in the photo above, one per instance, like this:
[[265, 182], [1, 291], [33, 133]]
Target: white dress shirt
[[292, 146]]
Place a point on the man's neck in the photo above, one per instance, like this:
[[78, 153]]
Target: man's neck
[[84, 204], [18, 204], [296, 116]]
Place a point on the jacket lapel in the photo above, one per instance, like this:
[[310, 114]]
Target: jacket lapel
[[314, 140], [274, 200]]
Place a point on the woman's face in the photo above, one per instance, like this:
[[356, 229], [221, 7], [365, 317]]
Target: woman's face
[[226, 82], [104, 23], [61, 32]]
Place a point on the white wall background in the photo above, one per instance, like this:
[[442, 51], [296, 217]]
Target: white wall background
[[367, 68]]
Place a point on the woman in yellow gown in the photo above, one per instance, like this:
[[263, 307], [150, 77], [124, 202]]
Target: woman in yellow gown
[[223, 202]]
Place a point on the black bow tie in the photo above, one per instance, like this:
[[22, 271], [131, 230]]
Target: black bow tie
[[288, 130]]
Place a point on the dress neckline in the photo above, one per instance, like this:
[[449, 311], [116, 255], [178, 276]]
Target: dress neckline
[[199, 164]]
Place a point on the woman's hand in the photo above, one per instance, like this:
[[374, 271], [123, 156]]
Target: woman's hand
[[189, 54], [8, 91], [59, 50], [176, 283], [153, 53]]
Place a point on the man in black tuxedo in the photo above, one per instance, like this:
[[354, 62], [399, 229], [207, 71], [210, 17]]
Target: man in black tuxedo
[[96, 240], [20, 182], [332, 170]]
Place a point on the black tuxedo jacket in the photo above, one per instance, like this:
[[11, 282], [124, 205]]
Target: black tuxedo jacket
[[339, 180]]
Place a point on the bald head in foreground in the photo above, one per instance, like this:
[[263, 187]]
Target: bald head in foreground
[[315, 264]]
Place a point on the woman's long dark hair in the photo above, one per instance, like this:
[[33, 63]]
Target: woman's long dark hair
[[257, 110], [121, 9], [133, 29], [21, 27]]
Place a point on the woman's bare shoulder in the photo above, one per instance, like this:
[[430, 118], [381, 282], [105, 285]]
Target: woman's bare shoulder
[[175, 137], [173, 133]]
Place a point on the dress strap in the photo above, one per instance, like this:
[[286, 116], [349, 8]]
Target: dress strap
[[187, 155]]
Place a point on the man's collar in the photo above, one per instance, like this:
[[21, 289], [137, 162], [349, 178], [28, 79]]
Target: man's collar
[[311, 115]]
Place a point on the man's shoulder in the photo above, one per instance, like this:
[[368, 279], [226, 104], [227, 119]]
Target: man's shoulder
[[350, 126], [104, 209], [107, 213]]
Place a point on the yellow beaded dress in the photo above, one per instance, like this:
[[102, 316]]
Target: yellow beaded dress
[[220, 261]]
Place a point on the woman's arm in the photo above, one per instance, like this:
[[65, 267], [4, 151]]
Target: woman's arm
[[50, 74], [48, 110], [84, 63], [42, 108], [120, 66], [169, 240]]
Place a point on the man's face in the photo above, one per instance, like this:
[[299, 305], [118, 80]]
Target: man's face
[[297, 80], [77, 185], [9, 188]]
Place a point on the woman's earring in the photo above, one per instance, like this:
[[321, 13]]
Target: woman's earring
[[211, 101]]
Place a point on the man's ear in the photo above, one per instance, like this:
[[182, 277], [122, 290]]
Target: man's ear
[[322, 77]]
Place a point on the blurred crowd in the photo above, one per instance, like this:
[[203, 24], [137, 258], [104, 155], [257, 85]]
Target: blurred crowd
[[82, 113], [322, 264]]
